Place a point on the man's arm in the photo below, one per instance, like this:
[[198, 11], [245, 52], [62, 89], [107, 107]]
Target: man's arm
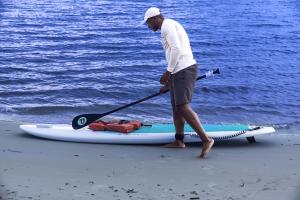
[[174, 44]]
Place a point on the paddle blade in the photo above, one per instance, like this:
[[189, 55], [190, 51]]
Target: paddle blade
[[81, 121]]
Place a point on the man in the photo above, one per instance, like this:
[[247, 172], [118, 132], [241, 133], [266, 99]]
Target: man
[[180, 77]]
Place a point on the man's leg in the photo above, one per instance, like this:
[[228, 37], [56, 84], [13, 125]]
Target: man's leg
[[179, 127], [192, 119]]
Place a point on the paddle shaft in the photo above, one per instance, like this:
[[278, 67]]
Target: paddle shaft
[[217, 71], [83, 120]]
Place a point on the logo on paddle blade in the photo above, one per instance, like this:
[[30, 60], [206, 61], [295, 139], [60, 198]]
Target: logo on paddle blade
[[81, 121]]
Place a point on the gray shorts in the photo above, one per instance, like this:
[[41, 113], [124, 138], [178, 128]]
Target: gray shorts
[[182, 85]]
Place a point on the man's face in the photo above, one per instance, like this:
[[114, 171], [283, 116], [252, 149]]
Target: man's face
[[152, 24]]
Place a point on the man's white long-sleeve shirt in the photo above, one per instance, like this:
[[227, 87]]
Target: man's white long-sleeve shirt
[[176, 45]]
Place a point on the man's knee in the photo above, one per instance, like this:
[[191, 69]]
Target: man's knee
[[181, 109]]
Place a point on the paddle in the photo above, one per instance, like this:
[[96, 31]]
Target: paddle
[[83, 120]]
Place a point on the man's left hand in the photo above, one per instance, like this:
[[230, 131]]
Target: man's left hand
[[164, 89], [165, 78]]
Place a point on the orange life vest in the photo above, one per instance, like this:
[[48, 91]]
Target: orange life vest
[[122, 126]]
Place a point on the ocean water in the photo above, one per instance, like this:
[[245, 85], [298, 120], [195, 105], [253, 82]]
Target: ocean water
[[61, 58]]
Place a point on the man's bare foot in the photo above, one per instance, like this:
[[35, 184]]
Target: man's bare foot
[[176, 144], [206, 148]]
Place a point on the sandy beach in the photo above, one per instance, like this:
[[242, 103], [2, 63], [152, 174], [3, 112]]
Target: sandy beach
[[33, 168]]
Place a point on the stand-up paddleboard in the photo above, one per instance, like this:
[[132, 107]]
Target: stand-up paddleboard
[[147, 134]]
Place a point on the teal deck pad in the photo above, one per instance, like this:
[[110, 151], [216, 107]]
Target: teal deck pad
[[167, 128]]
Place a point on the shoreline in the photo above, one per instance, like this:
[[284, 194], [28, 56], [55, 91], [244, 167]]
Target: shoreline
[[34, 168]]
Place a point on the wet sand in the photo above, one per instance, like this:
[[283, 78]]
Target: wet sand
[[33, 168]]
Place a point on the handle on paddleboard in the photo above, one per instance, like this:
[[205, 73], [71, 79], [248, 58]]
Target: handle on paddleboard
[[83, 120]]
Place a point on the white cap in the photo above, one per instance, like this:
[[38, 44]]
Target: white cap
[[151, 12]]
